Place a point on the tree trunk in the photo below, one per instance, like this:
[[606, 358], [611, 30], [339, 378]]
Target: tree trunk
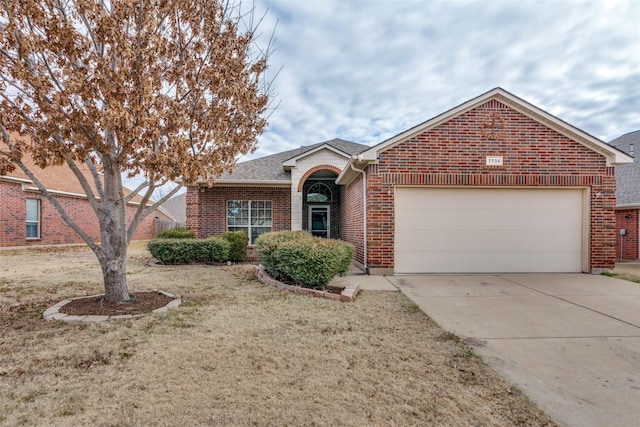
[[114, 273], [114, 238]]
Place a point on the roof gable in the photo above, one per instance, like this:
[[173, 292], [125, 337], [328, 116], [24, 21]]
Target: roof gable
[[613, 156], [289, 163], [275, 169]]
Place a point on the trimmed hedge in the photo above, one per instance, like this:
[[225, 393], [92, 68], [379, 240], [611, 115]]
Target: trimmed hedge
[[177, 233], [238, 241], [298, 257], [187, 251]]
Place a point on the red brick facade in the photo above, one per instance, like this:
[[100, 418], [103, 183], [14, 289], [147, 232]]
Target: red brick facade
[[627, 246], [207, 207], [453, 153], [53, 229], [352, 216]]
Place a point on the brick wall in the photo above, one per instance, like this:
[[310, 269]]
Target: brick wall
[[627, 246], [53, 229], [351, 217], [207, 207], [453, 154]]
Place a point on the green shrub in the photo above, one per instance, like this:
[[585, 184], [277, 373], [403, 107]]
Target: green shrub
[[238, 241], [267, 243], [298, 257], [177, 233], [187, 251]]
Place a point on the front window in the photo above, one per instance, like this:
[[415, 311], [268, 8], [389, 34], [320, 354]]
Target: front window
[[251, 216], [33, 219]]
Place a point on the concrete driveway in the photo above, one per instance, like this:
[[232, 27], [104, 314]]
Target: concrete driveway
[[570, 341]]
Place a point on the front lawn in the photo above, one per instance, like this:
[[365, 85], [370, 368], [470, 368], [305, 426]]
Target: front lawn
[[236, 352]]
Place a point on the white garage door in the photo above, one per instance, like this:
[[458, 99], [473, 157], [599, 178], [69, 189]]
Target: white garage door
[[461, 230]]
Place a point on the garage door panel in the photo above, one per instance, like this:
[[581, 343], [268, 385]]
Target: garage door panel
[[481, 241], [441, 230], [510, 219], [506, 262]]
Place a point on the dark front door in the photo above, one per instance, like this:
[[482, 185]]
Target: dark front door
[[319, 221]]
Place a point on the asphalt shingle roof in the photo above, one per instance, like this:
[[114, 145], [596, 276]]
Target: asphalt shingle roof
[[269, 168], [177, 207], [628, 176]]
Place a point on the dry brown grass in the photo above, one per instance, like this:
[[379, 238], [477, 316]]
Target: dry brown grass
[[627, 270], [236, 353]]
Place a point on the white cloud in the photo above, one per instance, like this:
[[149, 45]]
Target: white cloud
[[367, 70]]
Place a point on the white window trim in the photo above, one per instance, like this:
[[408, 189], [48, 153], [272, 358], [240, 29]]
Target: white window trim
[[36, 222]]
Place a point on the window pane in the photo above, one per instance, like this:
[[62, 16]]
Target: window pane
[[32, 230], [33, 210], [256, 231], [237, 213]]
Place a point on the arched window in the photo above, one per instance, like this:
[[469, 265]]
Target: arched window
[[319, 192]]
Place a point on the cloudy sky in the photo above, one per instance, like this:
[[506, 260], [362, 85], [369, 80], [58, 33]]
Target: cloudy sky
[[365, 70]]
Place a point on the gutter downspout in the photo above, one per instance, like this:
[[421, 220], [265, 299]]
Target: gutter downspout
[[364, 202]]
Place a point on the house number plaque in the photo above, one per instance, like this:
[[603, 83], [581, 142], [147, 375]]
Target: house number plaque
[[494, 161]]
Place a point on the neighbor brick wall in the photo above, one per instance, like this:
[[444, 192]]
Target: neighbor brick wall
[[53, 229], [627, 246], [453, 154], [207, 207], [352, 216]]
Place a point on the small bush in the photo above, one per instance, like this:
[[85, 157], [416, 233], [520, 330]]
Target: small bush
[[187, 251], [177, 233], [238, 241], [267, 243], [305, 260]]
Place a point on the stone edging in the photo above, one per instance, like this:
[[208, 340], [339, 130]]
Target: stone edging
[[348, 294], [53, 313]]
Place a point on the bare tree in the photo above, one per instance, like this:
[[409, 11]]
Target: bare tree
[[165, 89]]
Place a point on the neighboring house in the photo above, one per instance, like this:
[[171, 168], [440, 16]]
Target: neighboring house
[[177, 207], [628, 199], [27, 218], [492, 185]]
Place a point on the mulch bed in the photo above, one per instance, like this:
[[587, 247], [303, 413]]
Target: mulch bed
[[145, 302]]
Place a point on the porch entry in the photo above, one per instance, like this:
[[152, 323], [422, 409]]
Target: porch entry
[[321, 205], [320, 220]]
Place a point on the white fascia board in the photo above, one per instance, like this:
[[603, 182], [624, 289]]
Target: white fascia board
[[348, 174], [14, 179], [26, 187], [289, 163], [628, 206], [245, 183], [613, 156]]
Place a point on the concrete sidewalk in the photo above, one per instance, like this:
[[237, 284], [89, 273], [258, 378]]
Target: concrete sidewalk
[[571, 342], [364, 281]]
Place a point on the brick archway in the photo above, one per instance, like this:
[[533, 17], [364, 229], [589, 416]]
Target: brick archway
[[315, 169]]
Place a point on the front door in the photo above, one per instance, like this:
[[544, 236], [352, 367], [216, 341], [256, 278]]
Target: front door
[[319, 221]]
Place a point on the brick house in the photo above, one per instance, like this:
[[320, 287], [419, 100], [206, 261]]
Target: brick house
[[628, 199], [27, 218], [492, 185]]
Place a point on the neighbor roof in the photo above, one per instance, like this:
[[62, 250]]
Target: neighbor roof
[[628, 176], [57, 179], [271, 170], [177, 207]]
